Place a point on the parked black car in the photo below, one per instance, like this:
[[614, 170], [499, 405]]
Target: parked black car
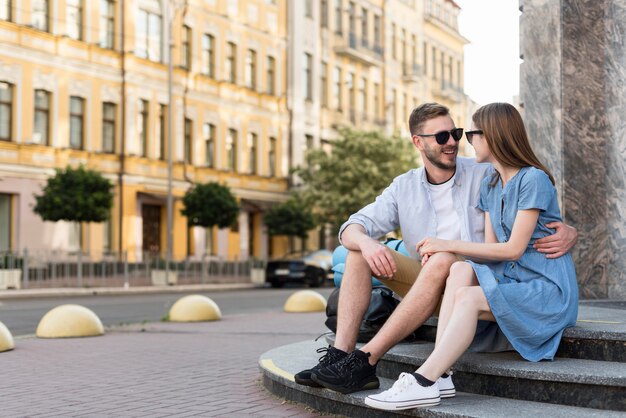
[[312, 268]]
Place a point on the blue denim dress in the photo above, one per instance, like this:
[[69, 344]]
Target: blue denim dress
[[534, 298]]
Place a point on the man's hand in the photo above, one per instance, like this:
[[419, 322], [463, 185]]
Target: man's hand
[[558, 243], [379, 258]]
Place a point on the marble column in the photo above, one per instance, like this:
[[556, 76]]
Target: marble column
[[573, 94]]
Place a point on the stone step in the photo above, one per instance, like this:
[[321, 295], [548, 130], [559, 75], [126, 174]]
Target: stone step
[[280, 364], [566, 381], [599, 334]]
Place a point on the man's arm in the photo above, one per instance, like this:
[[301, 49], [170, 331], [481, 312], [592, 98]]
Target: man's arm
[[558, 243], [377, 255]]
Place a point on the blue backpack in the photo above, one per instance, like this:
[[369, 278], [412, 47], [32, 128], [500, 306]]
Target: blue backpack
[[341, 252]]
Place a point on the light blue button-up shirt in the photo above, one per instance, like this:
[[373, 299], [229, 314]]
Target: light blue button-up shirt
[[406, 204]]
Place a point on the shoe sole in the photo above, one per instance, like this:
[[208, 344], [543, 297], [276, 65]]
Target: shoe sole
[[307, 382], [447, 393], [344, 390], [393, 406]]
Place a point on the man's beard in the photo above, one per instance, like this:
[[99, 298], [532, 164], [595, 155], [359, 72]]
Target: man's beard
[[435, 158]]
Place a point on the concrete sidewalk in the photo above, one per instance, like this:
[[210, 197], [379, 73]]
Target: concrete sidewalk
[[154, 370]]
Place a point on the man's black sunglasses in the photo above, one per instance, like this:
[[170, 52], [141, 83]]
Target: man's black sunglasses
[[443, 136], [470, 135]]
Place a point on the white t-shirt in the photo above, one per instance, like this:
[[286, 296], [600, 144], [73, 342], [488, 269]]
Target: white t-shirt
[[448, 221]]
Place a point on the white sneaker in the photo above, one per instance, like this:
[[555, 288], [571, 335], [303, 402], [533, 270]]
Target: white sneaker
[[446, 387], [405, 393]]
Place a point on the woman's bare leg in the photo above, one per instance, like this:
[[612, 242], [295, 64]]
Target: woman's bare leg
[[470, 305], [461, 275]]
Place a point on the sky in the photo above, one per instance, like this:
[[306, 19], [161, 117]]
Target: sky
[[492, 57]]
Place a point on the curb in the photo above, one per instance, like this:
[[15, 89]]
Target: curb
[[109, 291]]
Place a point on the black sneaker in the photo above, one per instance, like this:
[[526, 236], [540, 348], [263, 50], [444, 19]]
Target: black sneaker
[[331, 355], [350, 374]]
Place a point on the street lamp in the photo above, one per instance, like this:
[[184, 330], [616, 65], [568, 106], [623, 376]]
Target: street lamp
[[170, 8]]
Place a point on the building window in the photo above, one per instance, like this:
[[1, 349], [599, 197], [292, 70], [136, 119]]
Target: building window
[[252, 153], [75, 234], [107, 23], [148, 36], [434, 62], [415, 52], [363, 95], [107, 239], [74, 19], [324, 84], [162, 128], [308, 147], [272, 156], [337, 88], [6, 111], [40, 15], [188, 141], [425, 58], [208, 55], [77, 122], [308, 80], [231, 150], [442, 66], [376, 100], [338, 17], [308, 8], [324, 13], [403, 45], [351, 91], [231, 62], [142, 127], [185, 51], [377, 34], [364, 26], [352, 18], [41, 129], [108, 127], [5, 222], [5, 10], [251, 69], [271, 75], [209, 142]]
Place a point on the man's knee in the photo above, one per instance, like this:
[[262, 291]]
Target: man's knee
[[437, 268], [357, 267]]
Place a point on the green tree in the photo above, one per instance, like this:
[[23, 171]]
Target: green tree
[[359, 167], [75, 195], [209, 205], [292, 218]]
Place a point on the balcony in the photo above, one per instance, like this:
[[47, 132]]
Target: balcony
[[453, 92], [359, 49], [411, 72]]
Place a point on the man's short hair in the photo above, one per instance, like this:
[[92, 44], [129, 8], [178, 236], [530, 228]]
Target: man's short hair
[[423, 113]]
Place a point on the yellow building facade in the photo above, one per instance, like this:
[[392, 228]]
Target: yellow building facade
[[87, 83], [255, 84]]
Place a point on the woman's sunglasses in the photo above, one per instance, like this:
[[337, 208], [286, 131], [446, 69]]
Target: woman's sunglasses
[[443, 136], [470, 135]]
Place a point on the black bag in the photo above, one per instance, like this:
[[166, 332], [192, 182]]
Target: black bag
[[382, 304]]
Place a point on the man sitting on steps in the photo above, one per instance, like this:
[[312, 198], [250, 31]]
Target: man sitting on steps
[[438, 200]]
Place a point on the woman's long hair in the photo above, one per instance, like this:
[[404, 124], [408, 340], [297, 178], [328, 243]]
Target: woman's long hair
[[506, 137]]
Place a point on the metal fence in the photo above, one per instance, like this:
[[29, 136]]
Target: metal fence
[[46, 269]]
